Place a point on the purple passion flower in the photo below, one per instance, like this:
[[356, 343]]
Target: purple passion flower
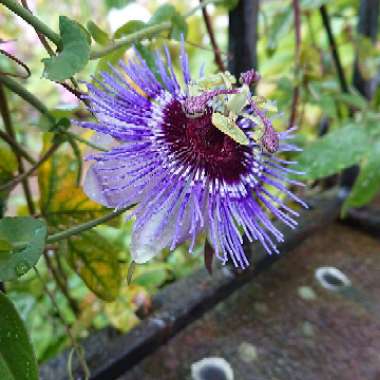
[[197, 157]]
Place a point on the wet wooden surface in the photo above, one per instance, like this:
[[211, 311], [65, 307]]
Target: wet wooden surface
[[285, 325]]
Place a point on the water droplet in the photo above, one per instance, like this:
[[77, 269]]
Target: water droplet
[[22, 267]]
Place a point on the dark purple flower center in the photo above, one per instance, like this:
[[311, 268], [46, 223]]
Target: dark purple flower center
[[195, 141]]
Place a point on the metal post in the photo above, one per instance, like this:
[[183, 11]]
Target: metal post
[[242, 35]]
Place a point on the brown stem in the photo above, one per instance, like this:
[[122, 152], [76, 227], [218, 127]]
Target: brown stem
[[61, 283], [210, 30], [4, 110], [23, 176], [61, 271], [74, 91], [41, 37], [19, 62], [296, 90], [16, 146]]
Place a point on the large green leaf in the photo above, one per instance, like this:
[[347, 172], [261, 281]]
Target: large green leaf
[[337, 150], [75, 51], [17, 359], [20, 230], [96, 262], [168, 12], [367, 185]]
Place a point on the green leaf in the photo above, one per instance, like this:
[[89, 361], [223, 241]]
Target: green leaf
[[337, 150], [95, 260], [280, 27], [367, 185], [5, 246], [313, 4], [151, 276], [112, 58], [21, 230], [168, 12], [354, 100], [17, 359], [74, 55], [99, 35], [228, 4], [179, 27], [117, 3], [129, 27], [149, 58]]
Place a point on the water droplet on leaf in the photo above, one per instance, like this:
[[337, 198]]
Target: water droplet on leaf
[[22, 267]]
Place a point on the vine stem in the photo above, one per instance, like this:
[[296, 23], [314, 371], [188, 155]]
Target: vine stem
[[65, 234], [73, 341], [40, 36], [131, 38], [25, 174], [298, 40], [85, 226], [21, 91], [37, 24], [26, 95], [45, 30], [201, 6], [4, 110], [19, 62], [210, 30], [147, 32], [16, 146], [62, 285]]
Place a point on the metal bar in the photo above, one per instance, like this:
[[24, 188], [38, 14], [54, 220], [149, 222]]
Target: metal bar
[[109, 354], [242, 37], [366, 219]]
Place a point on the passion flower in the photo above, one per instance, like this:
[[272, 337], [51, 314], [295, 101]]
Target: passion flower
[[197, 157]]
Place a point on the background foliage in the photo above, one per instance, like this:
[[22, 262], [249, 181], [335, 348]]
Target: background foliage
[[80, 284]]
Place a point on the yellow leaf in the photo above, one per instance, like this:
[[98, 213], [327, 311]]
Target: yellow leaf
[[122, 312], [95, 260], [62, 202]]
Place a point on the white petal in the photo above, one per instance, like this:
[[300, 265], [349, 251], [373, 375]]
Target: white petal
[[97, 180], [147, 243], [93, 188]]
